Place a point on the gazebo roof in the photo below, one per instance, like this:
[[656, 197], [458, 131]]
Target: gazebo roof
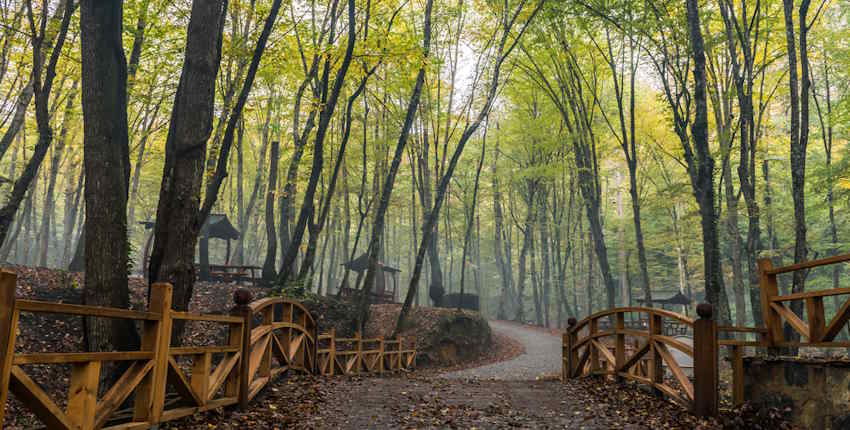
[[216, 226], [361, 263], [676, 299]]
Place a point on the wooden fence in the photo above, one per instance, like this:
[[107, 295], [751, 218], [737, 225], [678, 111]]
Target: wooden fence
[[265, 338], [586, 352], [347, 356]]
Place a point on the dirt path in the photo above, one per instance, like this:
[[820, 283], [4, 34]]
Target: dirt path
[[542, 356], [509, 394]]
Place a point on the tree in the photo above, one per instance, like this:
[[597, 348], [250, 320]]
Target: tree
[[107, 166]]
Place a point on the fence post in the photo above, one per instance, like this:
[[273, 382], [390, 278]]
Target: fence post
[[705, 362], [358, 362], [380, 354], [400, 340], [656, 364], [242, 310], [620, 347], [769, 290], [737, 374], [594, 353], [156, 337], [332, 352], [8, 329], [570, 356]]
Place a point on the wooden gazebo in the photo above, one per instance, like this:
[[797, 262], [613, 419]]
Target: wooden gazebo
[[216, 226], [378, 293]]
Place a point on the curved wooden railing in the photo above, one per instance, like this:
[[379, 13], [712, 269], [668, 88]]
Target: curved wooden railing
[[589, 350], [263, 339]]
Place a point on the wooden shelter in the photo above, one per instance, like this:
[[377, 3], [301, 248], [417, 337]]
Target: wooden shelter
[[216, 226], [378, 293]]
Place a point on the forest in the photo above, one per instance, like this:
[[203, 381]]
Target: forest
[[554, 158]]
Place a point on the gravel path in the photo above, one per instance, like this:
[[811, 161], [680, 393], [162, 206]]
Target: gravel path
[[542, 356]]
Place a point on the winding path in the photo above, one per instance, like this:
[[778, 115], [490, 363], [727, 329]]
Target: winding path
[[542, 356]]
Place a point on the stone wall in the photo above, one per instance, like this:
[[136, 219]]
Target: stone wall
[[817, 392]]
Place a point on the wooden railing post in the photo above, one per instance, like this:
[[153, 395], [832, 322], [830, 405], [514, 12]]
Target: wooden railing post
[[156, 337], [242, 310], [705, 362], [769, 289], [358, 362], [8, 330], [620, 346], [656, 363], [332, 352], [266, 361], [570, 357], [380, 354], [400, 353], [594, 353], [737, 374]]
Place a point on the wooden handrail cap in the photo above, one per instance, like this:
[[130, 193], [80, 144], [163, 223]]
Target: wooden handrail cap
[[242, 297], [705, 310]]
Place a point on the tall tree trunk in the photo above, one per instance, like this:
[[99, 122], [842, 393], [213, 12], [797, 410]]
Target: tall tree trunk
[[799, 133], [177, 222], [107, 165], [702, 171], [269, 271]]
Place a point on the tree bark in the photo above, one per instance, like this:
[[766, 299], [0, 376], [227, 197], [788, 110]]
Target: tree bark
[[269, 271], [107, 165], [702, 172]]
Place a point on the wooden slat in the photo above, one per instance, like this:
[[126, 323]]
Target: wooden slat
[[200, 379], [80, 357], [838, 321], [675, 369], [129, 426], [257, 385], [606, 354], [675, 343], [808, 294], [582, 361], [174, 414], [737, 375], [119, 392], [257, 352], [792, 319], [39, 306], [82, 395], [817, 322], [37, 401], [736, 329], [809, 264], [195, 350], [733, 342], [635, 357], [181, 384], [190, 316], [219, 375]]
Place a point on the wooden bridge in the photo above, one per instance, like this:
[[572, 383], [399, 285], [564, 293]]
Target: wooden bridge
[[603, 344], [265, 338]]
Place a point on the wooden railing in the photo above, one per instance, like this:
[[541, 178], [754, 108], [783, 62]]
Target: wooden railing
[[585, 351], [347, 356], [264, 339]]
